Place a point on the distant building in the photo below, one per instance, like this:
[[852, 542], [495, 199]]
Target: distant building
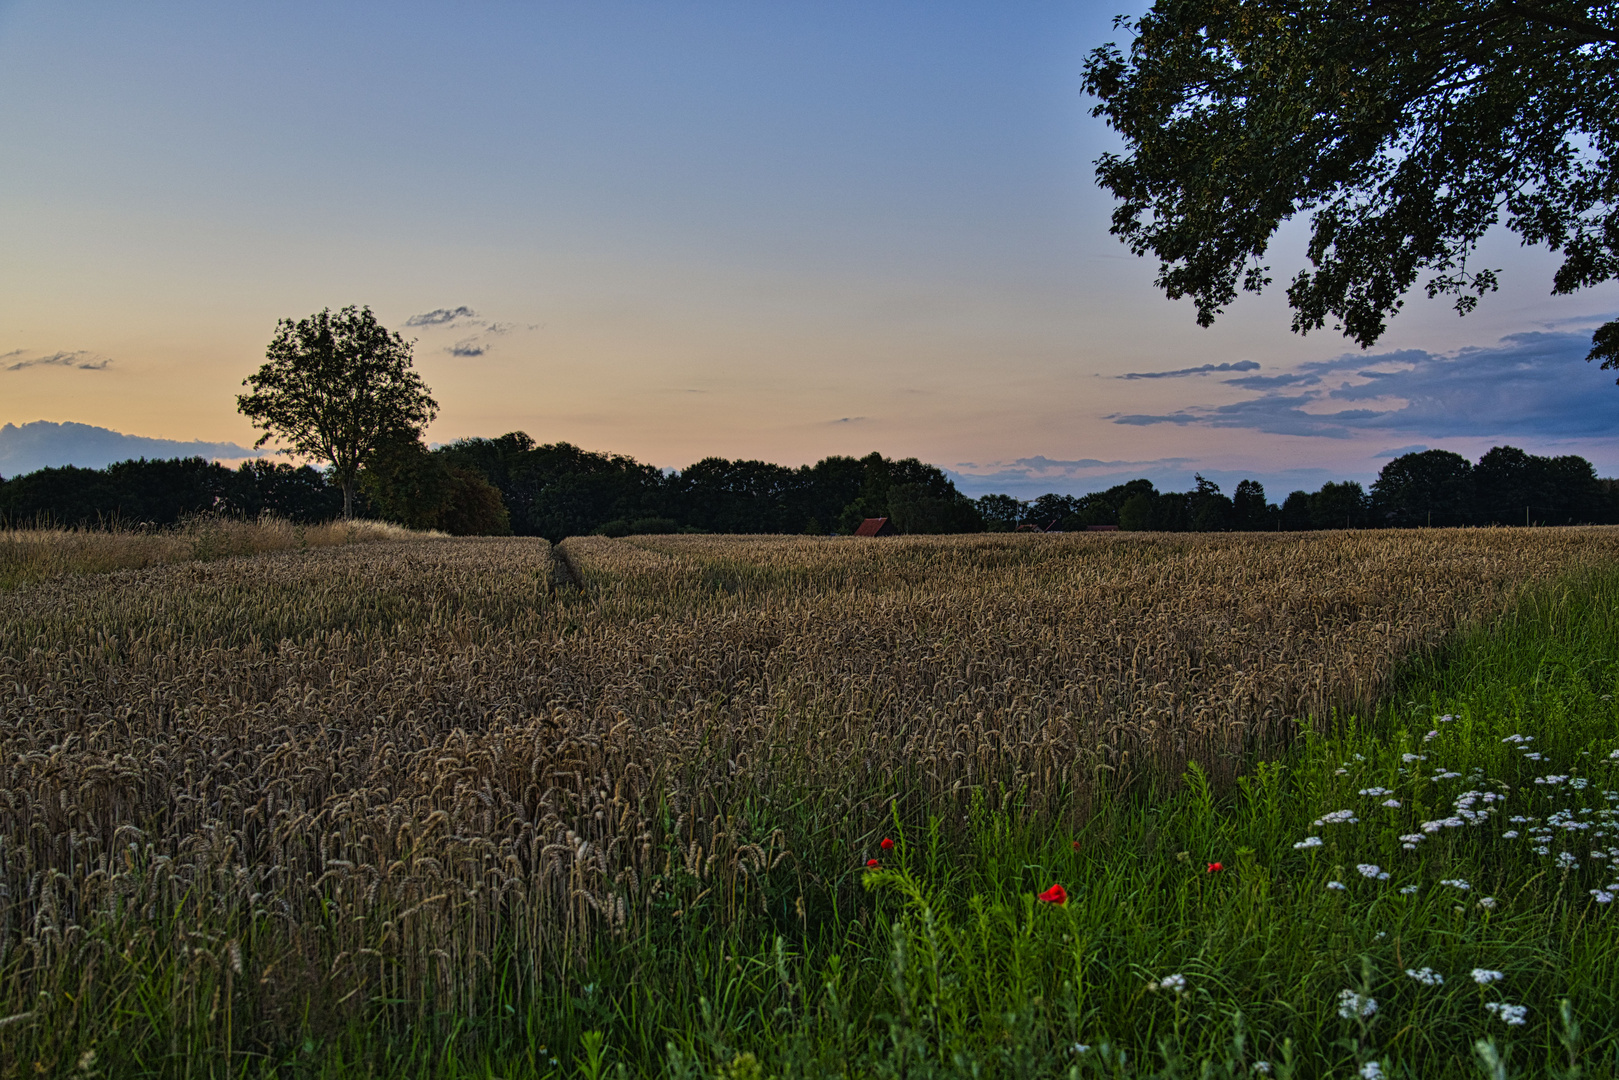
[[876, 527], [1101, 528]]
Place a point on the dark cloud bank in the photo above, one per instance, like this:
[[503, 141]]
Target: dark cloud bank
[[1530, 385], [43, 444]]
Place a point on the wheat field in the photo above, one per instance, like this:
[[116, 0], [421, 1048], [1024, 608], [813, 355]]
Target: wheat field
[[250, 796]]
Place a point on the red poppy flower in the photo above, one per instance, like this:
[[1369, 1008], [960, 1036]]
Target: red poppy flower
[[1215, 868], [1054, 895], [887, 844], [1076, 845], [872, 864]]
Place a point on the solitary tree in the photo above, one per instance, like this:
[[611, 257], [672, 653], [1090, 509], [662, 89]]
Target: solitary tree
[[337, 388], [1406, 128]]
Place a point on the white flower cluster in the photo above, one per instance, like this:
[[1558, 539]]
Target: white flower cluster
[[1488, 903], [1565, 820], [1338, 817], [1371, 1071], [1410, 840], [1373, 871], [1352, 1005], [1443, 823], [1409, 758], [1511, 1015], [1551, 779], [1431, 736], [1456, 883], [1308, 842], [1484, 976], [1376, 791], [1426, 976], [1468, 799], [1169, 984], [1337, 886]]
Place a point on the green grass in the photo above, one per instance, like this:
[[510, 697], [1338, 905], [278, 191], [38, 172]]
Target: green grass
[[943, 962]]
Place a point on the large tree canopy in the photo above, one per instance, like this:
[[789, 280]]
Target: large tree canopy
[[337, 388], [1405, 128]]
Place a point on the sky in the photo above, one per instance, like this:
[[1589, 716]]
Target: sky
[[772, 231]]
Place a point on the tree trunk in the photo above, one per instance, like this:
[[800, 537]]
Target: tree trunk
[[348, 498]]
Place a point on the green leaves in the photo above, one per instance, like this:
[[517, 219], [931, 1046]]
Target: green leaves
[[1406, 130]]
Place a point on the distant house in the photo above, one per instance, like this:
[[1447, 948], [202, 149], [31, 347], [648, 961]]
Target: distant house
[[1101, 528], [876, 527]]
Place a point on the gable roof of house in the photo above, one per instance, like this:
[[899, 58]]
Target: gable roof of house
[[876, 527]]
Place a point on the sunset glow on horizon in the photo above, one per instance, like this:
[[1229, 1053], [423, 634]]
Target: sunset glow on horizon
[[720, 229]]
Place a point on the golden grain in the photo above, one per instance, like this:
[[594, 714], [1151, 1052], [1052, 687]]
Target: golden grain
[[305, 783]]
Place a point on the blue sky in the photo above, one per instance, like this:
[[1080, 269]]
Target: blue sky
[[770, 231]]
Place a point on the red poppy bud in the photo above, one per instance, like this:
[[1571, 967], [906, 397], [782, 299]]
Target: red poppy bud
[[1076, 845], [872, 864], [887, 844], [1215, 868], [1054, 895]]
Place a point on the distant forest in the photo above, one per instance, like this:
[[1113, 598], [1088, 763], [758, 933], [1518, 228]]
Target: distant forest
[[511, 485]]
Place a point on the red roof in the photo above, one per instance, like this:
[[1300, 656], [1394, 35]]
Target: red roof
[[876, 527]]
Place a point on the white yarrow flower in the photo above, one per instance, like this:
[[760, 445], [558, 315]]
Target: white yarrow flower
[[1456, 883], [1352, 1005], [1371, 1071], [1426, 976], [1511, 1015], [1487, 903], [1484, 976], [1175, 984], [1308, 842], [1373, 871], [1337, 885]]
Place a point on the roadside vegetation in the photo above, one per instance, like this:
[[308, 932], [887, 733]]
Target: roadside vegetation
[[684, 806]]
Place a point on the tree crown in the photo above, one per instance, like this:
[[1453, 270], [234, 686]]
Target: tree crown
[[1407, 128]]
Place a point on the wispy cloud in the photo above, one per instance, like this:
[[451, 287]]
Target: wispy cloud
[[79, 359], [464, 319], [1201, 369], [1526, 385], [441, 316]]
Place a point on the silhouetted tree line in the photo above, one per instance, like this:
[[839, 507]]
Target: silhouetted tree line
[[1433, 487], [557, 490], [141, 492], [513, 485]]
